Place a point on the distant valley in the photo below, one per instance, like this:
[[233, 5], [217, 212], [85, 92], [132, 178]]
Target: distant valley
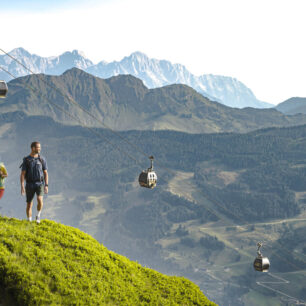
[[217, 195]]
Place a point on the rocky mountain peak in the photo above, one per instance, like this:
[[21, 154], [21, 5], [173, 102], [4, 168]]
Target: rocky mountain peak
[[154, 73]]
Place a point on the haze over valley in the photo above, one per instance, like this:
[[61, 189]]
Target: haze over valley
[[227, 178]]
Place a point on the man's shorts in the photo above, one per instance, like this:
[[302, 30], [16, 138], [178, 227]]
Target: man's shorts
[[31, 189]]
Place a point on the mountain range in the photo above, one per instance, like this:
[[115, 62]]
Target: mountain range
[[154, 73], [123, 102], [292, 106]]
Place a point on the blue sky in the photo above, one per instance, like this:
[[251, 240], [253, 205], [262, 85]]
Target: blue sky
[[261, 43], [45, 5]]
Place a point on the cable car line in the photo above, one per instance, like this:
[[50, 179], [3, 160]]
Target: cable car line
[[123, 138]]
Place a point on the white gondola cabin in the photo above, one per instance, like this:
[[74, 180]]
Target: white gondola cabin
[[148, 178], [261, 264]]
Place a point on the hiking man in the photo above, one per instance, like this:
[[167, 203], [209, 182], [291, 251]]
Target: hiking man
[[3, 175], [34, 171]]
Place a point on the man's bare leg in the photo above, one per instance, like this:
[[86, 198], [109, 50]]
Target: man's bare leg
[[29, 210], [40, 205]]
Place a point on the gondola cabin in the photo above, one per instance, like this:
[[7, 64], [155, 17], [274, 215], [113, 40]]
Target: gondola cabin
[[261, 264], [148, 178], [3, 89]]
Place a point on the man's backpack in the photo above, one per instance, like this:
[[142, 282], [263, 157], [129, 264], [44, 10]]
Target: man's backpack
[[34, 169]]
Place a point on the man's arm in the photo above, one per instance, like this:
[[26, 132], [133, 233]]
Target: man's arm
[[22, 175], [46, 181]]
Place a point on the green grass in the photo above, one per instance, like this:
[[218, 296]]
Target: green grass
[[53, 264]]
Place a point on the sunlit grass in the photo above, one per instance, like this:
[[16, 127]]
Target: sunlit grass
[[53, 264]]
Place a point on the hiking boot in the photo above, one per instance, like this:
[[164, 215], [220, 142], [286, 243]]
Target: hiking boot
[[37, 219]]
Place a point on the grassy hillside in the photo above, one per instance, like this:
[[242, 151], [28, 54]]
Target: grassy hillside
[[53, 264]]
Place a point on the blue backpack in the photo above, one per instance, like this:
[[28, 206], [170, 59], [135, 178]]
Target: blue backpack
[[34, 171]]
